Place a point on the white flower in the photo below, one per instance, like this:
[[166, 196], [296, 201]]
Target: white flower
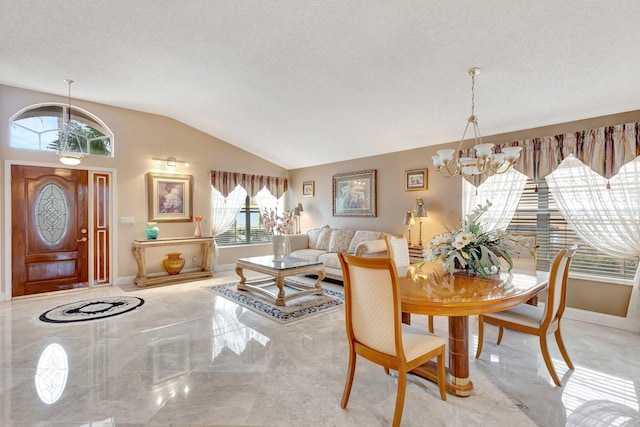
[[463, 239]]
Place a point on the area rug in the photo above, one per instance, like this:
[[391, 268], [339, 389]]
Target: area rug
[[92, 309], [302, 308]]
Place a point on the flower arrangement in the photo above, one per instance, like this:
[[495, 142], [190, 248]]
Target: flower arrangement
[[276, 224], [473, 248]]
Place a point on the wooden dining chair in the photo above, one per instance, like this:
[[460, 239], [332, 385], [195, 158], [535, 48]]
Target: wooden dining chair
[[375, 330], [537, 320], [398, 250]]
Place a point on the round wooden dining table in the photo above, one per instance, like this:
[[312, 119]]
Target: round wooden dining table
[[426, 289]]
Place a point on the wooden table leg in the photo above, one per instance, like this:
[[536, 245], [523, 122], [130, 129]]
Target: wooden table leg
[[459, 355], [280, 285], [243, 279]]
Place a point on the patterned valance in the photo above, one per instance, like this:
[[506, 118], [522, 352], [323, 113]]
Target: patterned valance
[[603, 149], [225, 182]]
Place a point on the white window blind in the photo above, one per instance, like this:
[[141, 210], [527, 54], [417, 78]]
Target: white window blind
[[537, 213]]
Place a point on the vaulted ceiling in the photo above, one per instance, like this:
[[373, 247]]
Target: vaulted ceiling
[[302, 83]]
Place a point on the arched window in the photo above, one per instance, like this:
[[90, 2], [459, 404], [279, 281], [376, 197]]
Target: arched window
[[39, 127]]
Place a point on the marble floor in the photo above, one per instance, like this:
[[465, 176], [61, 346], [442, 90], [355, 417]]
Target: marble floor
[[190, 358]]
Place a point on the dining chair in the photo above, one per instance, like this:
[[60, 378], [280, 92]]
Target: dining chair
[[398, 250], [540, 321], [375, 330]]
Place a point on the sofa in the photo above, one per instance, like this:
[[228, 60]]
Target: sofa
[[323, 244]]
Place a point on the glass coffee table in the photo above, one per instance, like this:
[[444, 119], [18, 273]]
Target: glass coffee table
[[278, 272]]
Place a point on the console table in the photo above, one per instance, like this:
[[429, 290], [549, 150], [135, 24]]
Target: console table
[[142, 279]]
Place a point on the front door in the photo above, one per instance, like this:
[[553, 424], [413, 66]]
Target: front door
[[49, 229]]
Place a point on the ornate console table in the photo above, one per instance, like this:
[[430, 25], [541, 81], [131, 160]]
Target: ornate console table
[[142, 279]]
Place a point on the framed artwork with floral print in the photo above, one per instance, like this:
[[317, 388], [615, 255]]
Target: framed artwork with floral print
[[170, 197]]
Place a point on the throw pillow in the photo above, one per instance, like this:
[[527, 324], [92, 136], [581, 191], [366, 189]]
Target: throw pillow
[[313, 236], [324, 238], [362, 236], [340, 240]]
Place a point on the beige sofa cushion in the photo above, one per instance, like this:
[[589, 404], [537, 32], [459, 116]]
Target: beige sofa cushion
[[330, 260], [323, 239], [313, 236], [340, 240], [362, 236]]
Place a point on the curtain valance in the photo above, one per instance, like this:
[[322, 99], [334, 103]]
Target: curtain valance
[[605, 150], [225, 182]]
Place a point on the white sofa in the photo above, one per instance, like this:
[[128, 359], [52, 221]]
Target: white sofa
[[323, 244]]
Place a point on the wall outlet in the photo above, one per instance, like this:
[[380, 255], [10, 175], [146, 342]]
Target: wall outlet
[[194, 260]]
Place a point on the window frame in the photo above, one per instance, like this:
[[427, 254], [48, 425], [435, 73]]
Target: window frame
[[248, 208], [78, 115]]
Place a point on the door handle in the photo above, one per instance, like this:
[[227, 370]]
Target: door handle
[[84, 239]]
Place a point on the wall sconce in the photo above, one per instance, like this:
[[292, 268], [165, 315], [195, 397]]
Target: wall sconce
[[171, 161], [420, 212], [296, 213], [409, 220]]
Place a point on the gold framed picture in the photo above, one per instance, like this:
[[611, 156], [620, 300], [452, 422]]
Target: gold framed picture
[[308, 188], [415, 180], [170, 197]]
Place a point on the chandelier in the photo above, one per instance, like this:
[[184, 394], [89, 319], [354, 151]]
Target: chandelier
[[449, 163], [69, 148]]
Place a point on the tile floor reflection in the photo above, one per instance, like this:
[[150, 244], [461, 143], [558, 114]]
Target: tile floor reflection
[[190, 358]]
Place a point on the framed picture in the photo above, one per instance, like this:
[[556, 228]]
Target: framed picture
[[170, 197], [308, 189], [415, 179], [354, 194]]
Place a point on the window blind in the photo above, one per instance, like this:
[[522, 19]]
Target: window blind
[[537, 213]]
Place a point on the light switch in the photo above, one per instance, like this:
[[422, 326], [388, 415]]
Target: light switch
[[126, 220]]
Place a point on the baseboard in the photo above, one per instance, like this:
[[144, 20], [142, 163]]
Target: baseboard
[[602, 319]]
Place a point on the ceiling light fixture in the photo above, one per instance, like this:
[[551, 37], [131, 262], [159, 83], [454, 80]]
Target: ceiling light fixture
[[69, 147], [449, 163], [171, 161]]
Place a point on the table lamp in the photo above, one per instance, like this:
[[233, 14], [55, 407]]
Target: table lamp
[[296, 213], [419, 212], [409, 220]]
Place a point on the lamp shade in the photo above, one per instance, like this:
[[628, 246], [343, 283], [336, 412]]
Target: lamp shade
[[299, 207], [419, 211], [409, 219]]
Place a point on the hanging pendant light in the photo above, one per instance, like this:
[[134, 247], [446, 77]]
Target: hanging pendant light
[[69, 149], [449, 163]]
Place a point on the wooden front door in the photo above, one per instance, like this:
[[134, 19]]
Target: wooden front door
[[49, 229]]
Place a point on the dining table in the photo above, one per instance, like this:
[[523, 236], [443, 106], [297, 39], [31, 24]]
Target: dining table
[[426, 289]]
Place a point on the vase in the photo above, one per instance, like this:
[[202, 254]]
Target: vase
[[198, 232], [278, 242], [152, 231], [174, 263]]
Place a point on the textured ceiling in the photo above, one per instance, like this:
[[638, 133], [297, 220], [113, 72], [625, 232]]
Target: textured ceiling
[[303, 83]]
